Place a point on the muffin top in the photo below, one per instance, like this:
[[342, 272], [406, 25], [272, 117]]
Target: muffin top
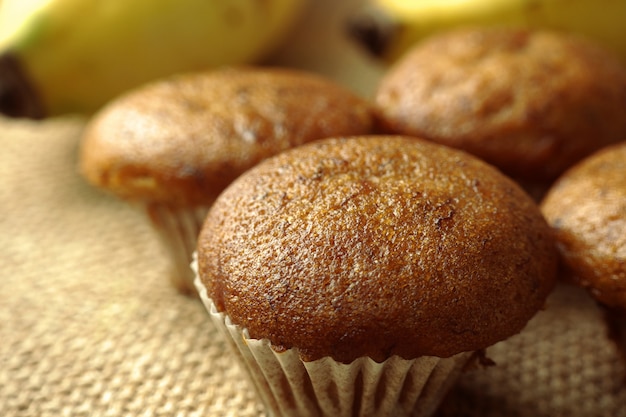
[[530, 102], [376, 246], [587, 209], [183, 139]]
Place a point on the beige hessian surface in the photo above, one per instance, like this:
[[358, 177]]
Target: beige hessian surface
[[90, 327]]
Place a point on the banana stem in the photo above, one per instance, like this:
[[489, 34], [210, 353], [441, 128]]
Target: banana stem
[[372, 30], [18, 97]]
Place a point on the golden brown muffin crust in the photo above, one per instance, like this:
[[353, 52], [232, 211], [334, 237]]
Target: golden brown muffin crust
[[183, 139], [376, 246], [530, 102], [587, 209]]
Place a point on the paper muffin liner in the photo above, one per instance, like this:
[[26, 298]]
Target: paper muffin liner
[[289, 386], [178, 229]]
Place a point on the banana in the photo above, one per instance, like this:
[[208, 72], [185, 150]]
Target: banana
[[72, 56], [389, 27]]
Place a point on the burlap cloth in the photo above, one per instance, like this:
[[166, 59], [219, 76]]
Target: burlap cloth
[[89, 325]]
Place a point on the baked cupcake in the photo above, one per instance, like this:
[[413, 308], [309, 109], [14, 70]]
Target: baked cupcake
[[586, 207], [358, 276], [530, 102], [173, 145]]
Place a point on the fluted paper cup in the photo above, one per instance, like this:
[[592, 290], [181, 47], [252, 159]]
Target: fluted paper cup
[[178, 229], [289, 386]]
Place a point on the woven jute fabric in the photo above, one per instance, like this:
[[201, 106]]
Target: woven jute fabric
[[89, 325]]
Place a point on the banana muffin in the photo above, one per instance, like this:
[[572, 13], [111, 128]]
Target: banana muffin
[[343, 258], [531, 102], [586, 207], [172, 146]]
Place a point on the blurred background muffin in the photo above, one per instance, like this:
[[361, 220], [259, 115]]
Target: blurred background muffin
[[586, 207], [173, 145], [375, 264], [531, 102]]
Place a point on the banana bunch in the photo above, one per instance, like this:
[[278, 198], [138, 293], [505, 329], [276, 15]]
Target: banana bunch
[[72, 56], [389, 27]]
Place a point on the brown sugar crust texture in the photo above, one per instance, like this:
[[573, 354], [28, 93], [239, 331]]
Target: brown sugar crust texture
[[530, 102], [587, 210], [376, 246], [183, 139]]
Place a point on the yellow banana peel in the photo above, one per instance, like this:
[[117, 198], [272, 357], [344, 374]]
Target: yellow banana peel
[[399, 24], [75, 55]]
